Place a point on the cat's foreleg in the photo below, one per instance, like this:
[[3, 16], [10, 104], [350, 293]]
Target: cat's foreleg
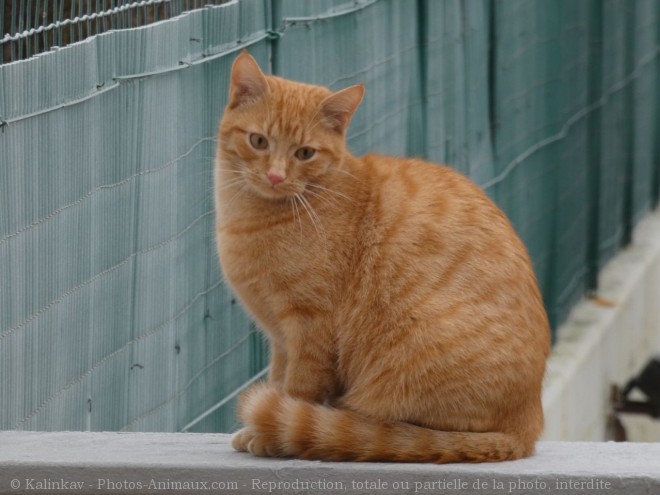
[[311, 365], [277, 366]]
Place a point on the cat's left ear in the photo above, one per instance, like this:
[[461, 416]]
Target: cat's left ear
[[339, 107], [248, 83]]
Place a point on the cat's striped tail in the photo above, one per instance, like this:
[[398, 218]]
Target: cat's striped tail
[[279, 425]]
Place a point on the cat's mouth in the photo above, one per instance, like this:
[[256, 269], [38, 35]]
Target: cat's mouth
[[282, 189]]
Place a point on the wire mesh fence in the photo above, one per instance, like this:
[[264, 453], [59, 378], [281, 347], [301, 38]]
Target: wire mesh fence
[[113, 314], [31, 27]]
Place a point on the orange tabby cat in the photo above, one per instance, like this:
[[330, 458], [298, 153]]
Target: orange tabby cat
[[403, 315]]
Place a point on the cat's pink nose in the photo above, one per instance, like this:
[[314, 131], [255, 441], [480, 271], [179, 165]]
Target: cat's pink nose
[[275, 178]]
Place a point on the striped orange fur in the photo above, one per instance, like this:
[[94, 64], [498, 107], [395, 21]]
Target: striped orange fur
[[403, 315]]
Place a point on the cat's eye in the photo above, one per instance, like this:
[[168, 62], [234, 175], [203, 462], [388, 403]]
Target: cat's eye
[[305, 153], [258, 141]]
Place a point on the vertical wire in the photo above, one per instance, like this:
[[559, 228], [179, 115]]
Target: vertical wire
[[628, 118], [595, 89], [19, 28], [45, 21]]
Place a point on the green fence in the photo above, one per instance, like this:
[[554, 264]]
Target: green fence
[[113, 313]]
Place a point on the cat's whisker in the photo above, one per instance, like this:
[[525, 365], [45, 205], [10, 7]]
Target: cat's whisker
[[316, 221], [294, 206], [233, 180], [331, 191], [346, 172], [236, 195], [323, 197], [228, 170], [231, 183]]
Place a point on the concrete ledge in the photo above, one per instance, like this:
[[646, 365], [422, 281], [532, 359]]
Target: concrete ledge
[[196, 463]]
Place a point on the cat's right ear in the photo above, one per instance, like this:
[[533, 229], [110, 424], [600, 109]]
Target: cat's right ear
[[248, 83]]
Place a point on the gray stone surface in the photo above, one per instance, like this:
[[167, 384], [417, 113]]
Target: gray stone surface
[[203, 463]]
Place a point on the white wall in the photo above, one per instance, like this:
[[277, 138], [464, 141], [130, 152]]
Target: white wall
[[607, 341]]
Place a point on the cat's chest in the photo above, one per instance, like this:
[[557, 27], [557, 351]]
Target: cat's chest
[[259, 260]]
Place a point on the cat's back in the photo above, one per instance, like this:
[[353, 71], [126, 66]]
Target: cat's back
[[444, 247], [434, 197]]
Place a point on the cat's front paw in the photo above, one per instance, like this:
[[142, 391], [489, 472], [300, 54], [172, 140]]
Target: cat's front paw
[[242, 439], [248, 440], [259, 446]]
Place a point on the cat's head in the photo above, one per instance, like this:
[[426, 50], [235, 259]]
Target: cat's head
[[279, 135]]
